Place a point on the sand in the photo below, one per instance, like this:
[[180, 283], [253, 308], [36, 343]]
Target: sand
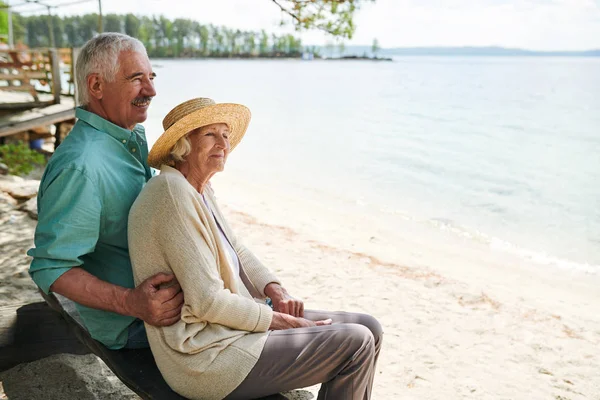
[[460, 322]]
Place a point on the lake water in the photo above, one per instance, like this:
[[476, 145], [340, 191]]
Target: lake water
[[503, 151]]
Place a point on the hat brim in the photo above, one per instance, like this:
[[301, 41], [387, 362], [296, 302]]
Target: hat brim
[[236, 116]]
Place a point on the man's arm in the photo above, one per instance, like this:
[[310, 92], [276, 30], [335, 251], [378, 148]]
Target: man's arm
[[69, 215], [148, 302]]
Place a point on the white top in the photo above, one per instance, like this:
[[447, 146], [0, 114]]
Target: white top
[[232, 256]]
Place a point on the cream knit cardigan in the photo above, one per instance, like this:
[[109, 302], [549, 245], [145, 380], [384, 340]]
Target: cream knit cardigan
[[222, 331]]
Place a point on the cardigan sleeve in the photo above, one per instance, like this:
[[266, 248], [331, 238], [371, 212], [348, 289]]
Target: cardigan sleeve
[[190, 251], [259, 275]]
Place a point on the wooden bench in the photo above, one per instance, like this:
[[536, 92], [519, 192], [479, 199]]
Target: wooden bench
[[135, 368]]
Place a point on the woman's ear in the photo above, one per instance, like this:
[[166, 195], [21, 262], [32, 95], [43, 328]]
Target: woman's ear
[[95, 85]]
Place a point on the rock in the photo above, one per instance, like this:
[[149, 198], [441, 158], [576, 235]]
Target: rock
[[7, 203], [30, 207], [3, 169], [23, 190], [6, 199], [63, 376], [10, 178]]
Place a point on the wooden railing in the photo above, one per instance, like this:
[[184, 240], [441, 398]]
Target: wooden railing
[[35, 78]]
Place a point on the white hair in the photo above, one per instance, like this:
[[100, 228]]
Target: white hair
[[182, 149], [100, 55]]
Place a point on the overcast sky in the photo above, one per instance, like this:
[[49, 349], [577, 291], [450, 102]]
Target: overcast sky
[[531, 24]]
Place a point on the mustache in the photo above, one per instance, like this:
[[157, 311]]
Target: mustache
[[141, 100]]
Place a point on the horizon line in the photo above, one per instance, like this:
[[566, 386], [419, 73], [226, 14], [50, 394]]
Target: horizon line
[[462, 47]]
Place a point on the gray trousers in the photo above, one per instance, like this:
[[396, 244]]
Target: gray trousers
[[340, 356]]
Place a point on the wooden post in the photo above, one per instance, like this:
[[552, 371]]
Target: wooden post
[[56, 85], [100, 25], [57, 135], [11, 42], [74, 55], [51, 28]]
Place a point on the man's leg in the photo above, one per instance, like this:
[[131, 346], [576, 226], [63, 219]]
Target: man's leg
[[136, 336], [340, 356]]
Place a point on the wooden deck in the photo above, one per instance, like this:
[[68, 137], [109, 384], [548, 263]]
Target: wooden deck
[[24, 120], [37, 90]]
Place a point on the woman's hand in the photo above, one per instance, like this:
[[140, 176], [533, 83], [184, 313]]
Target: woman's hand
[[282, 321], [283, 302]]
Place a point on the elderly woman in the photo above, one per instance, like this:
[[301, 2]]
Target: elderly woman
[[229, 343]]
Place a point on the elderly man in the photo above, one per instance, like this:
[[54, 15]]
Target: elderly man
[[88, 187]]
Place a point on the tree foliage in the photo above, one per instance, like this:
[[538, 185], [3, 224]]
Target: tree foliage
[[333, 16], [375, 47], [20, 159], [184, 37], [161, 36]]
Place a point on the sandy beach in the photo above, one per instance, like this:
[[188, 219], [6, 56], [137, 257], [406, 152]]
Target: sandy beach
[[460, 321]]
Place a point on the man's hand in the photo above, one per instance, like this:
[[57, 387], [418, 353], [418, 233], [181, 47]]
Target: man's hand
[[155, 305], [285, 321], [283, 302]]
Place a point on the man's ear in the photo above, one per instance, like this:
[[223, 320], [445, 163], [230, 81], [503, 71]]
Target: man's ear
[[95, 85]]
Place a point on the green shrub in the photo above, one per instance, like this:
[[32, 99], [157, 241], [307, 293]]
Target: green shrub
[[20, 159]]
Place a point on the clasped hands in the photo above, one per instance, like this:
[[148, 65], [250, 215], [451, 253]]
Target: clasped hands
[[158, 305], [288, 311]]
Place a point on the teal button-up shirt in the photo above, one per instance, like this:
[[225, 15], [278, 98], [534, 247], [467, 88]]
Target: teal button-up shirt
[[85, 195]]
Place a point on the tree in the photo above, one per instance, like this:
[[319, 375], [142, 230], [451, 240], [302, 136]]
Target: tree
[[70, 24], [332, 16], [3, 19], [182, 28], [329, 46], [19, 31], [161, 36], [250, 43], [58, 31], [163, 33], [218, 41], [341, 48], [204, 36], [113, 23], [132, 25], [88, 27], [295, 47], [263, 46], [147, 34], [375, 47]]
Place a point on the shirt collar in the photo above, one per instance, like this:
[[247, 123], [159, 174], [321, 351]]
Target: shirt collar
[[104, 125]]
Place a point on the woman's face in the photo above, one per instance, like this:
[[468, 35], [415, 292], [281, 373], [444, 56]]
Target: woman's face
[[210, 148]]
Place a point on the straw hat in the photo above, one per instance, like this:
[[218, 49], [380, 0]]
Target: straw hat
[[194, 114]]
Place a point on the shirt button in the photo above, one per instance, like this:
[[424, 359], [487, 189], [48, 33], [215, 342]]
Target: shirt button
[[133, 149], [124, 141]]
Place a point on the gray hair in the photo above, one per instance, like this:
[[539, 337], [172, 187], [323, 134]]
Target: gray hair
[[100, 55], [182, 149]]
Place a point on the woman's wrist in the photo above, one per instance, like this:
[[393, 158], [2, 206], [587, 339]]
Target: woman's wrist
[[274, 291], [281, 321]]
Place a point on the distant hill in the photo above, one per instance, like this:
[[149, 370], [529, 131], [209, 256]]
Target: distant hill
[[455, 51]]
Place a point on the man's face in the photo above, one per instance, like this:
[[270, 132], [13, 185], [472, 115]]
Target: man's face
[[126, 99]]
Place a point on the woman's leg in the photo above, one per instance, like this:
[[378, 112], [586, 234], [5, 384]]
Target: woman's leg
[[342, 317], [341, 356]]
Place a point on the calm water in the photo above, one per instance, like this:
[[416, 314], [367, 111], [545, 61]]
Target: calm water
[[502, 150]]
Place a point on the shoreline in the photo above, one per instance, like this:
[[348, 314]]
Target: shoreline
[[463, 326], [458, 324]]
